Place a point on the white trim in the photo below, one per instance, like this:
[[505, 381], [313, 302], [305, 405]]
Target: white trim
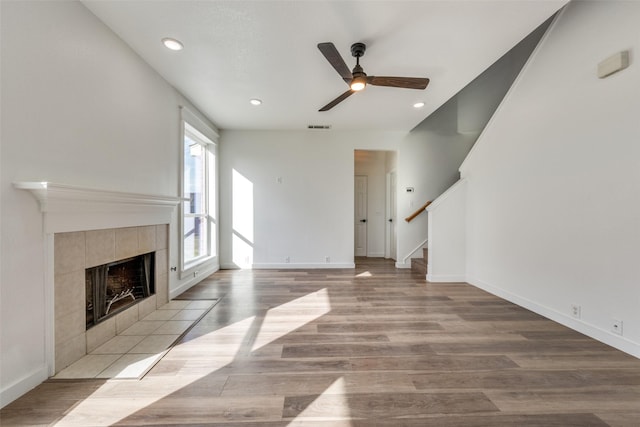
[[55, 197], [206, 272], [195, 266], [72, 208], [403, 265], [417, 248], [23, 385], [387, 212], [376, 255], [49, 304], [445, 278], [290, 266], [606, 337], [200, 125], [229, 267], [391, 249], [444, 196], [204, 134]]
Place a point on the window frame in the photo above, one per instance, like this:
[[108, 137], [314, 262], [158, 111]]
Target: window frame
[[198, 131]]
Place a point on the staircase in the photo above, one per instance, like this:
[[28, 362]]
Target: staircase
[[419, 265]]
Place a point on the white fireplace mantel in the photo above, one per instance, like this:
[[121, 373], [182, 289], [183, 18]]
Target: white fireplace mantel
[[68, 208]]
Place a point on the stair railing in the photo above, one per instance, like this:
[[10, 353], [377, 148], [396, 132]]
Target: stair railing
[[417, 248], [409, 219], [417, 212]]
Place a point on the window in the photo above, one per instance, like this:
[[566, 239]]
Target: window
[[199, 193]]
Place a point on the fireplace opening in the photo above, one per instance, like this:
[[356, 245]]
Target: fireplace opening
[[113, 287]]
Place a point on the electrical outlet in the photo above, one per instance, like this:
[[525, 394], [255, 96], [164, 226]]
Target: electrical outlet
[[576, 311], [287, 260], [616, 326], [327, 259]]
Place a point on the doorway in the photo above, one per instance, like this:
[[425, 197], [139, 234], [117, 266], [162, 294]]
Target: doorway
[[374, 203]]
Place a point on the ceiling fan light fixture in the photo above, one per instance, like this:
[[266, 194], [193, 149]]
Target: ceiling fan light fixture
[[357, 79], [358, 83], [172, 44]]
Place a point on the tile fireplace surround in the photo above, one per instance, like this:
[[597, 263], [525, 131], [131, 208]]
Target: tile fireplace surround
[[84, 227], [77, 251]]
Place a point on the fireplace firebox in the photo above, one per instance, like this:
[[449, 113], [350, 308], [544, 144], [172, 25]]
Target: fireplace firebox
[[113, 287]]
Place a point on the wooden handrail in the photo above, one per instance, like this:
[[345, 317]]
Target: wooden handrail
[[417, 212]]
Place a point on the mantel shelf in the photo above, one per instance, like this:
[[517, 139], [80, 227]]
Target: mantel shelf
[[72, 208], [48, 193]]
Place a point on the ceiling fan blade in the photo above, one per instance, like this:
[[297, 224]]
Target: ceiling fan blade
[[403, 82], [337, 100], [333, 56]]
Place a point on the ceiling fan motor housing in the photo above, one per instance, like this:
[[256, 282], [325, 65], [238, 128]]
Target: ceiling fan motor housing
[[357, 49]]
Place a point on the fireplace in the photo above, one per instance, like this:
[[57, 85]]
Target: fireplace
[[112, 288], [84, 228]]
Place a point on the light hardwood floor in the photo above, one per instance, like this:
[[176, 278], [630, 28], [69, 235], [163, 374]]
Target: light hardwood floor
[[374, 346]]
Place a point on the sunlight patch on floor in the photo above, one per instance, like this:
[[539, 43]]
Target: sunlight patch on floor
[[286, 318], [278, 322], [339, 410], [90, 411]]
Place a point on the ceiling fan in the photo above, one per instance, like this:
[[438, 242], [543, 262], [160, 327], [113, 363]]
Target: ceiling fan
[[358, 79]]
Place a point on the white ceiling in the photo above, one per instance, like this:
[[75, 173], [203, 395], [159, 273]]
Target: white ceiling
[[238, 50]]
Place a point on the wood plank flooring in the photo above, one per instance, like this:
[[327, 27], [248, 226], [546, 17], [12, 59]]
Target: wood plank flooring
[[374, 346]]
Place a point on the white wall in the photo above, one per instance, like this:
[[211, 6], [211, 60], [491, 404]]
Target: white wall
[[554, 181], [78, 107], [447, 235], [309, 215], [373, 165]]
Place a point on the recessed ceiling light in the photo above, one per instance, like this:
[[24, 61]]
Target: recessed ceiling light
[[418, 104], [172, 44], [255, 101]]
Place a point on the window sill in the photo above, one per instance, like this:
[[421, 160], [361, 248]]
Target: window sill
[[192, 269]]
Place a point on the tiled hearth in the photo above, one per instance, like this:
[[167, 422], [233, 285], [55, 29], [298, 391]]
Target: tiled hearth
[[135, 350], [76, 251]]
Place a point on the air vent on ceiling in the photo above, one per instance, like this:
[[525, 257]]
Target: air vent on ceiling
[[319, 126]]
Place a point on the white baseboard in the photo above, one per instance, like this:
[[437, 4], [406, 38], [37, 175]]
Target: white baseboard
[[292, 266], [403, 264], [23, 385], [193, 281], [375, 255], [604, 336], [231, 266], [446, 278]]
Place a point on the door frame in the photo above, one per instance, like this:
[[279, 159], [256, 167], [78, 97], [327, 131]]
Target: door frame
[[355, 219], [391, 238]]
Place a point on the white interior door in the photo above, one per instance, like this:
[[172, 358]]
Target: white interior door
[[392, 216], [360, 216]]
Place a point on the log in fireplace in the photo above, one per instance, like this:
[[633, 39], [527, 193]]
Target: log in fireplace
[[113, 287]]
